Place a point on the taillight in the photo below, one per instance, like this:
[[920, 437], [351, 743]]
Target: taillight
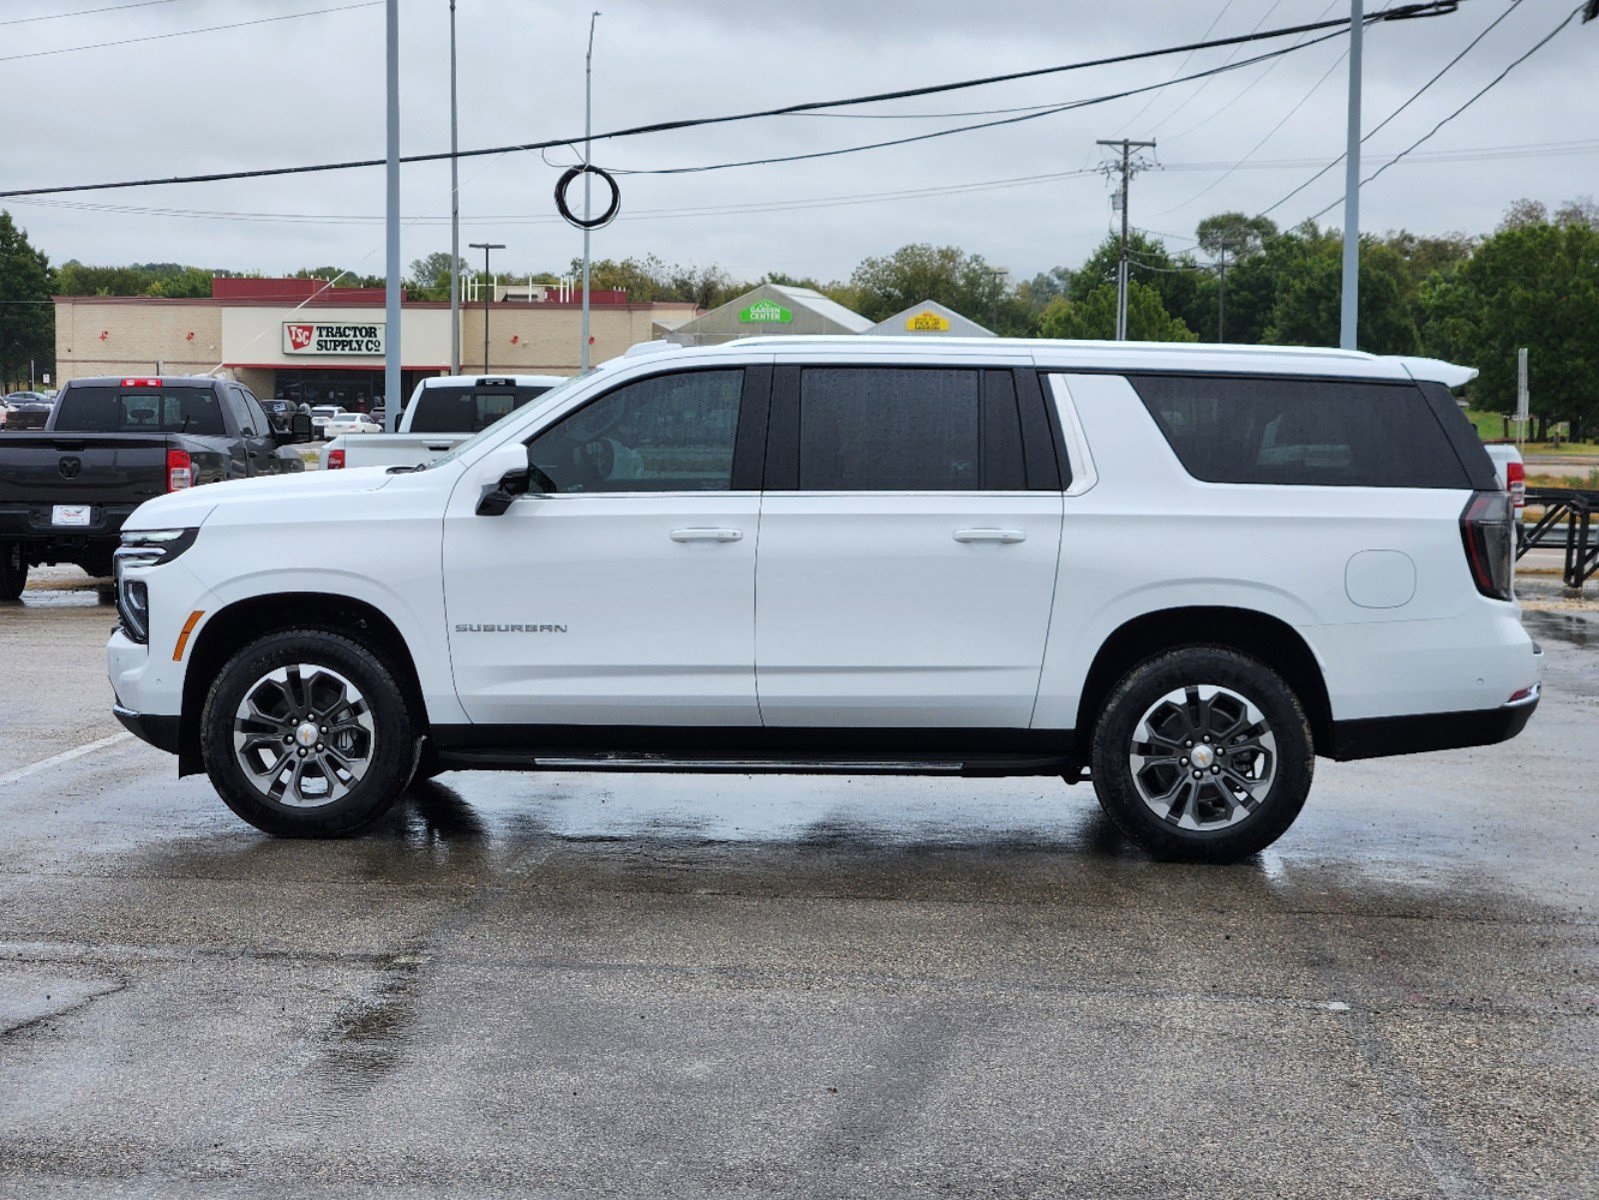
[[180, 470], [335, 460], [1490, 548], [1516, 483]]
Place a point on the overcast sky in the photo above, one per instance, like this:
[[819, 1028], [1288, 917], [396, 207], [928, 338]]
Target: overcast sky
[[311, 89]]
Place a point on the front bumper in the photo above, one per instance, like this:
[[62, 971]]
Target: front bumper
[[160, 732]]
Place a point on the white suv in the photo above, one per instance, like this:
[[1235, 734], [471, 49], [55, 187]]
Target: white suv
[[1180, 571]]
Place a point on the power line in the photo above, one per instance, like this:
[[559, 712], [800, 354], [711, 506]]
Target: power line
[[1214, 21], [1276, 4], [1416, 95], [84, 12], [1423, 8], [177, 33], [1483, 91]]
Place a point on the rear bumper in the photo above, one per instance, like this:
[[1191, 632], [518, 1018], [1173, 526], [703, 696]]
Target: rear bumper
[[1380, 737], [30, 524], [160, 732]]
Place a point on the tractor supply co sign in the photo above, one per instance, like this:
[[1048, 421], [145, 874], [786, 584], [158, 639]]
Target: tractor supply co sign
[[307, 337]]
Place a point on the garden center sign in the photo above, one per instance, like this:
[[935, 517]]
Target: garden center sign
[[765, 311]]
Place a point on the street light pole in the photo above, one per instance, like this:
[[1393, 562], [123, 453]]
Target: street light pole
[[488, 294], [588, 126], [391, 285], [1351, 289], [455, 215]]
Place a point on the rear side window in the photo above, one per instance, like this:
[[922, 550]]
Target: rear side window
[[467, 410], [908, 430], [1328, 433], [139, 410]]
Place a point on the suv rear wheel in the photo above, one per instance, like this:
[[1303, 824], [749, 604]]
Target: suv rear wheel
[[13, 571], [306, 733], [1202, 754]]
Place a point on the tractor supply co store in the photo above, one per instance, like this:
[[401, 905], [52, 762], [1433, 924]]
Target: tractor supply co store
[[304, 341]]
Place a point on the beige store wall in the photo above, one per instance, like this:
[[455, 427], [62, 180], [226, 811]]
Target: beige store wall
[[543, 340], [255, 335], [105, 336]]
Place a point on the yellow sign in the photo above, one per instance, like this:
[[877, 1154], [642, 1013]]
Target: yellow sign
[[927, 321]]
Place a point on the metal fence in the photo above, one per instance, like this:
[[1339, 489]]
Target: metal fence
[[1567, 522]]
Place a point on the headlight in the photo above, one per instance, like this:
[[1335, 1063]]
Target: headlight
[[145, 548]]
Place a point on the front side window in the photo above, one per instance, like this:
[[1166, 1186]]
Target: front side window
[[669, 433]]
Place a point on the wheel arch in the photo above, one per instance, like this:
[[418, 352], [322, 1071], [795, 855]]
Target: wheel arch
[[243, 621], [1270, 639]]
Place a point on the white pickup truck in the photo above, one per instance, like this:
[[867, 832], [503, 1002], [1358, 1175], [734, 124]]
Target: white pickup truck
[[442, 413]]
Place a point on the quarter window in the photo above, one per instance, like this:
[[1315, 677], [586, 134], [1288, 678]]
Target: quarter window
[[908, 430], [669, 433], [1332, 433]]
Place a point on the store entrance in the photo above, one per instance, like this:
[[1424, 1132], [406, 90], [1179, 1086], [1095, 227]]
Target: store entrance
[[352, 390]]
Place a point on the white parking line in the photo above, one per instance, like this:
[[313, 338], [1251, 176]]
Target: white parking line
[[44, 764]]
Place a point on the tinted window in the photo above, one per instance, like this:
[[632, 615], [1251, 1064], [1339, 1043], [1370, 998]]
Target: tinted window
[[1302, 431], [140, 410], [672, 433], [467, 410], [905, 429], [259, 421]]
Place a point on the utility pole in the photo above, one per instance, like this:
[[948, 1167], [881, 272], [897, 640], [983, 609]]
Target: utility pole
[[455, 214], [1127, 168], [1349, 315], [588, 124], [391, 289], [488, 294], [1221, 298]]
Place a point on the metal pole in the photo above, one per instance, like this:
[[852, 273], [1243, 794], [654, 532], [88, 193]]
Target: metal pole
[[391, 289], [488, 294], [1351, 293], [1221, 299], [455, 214], [1121, 270], [588, 125]]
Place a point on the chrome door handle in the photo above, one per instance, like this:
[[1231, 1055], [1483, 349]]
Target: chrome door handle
[[707, 535], [990, 535]]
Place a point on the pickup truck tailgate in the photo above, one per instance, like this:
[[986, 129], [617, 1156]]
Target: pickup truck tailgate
[[66, 468]]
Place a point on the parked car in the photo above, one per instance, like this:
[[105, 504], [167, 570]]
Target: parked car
[[1511, 473], [1178, 571], [27, 410], [321, 415], [110, 445], [350, 423], [442, 413], [279, 410]]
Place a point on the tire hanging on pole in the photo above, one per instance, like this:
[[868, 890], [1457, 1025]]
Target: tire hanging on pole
[[571, 176]]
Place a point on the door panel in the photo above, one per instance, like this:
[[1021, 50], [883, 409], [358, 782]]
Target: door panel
[[910, 610], [606, 610]]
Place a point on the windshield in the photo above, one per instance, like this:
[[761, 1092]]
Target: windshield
[[488, 434], [194, 410]]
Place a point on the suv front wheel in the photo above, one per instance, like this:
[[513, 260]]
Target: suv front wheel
[[306, 733], [1202, 754]]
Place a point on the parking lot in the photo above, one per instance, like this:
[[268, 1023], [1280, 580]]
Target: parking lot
[[635, 985]]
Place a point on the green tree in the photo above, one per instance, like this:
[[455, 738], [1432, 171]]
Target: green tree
[[1174, 278], [27, 318], [1094, 316], [1307, 306], [1534, 285], [964, 282], [1239, 235], [430, 275]]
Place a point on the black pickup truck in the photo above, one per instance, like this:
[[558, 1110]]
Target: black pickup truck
[[110, 445]]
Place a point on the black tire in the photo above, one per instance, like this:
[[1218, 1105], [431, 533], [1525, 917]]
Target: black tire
[[13, 571], [375, 730], [1217, 809]]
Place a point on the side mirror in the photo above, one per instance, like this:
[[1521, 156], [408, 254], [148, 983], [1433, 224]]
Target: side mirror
[[505, 476], [298, 430]]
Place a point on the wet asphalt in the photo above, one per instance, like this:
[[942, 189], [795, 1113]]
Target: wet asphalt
[[701, 986]]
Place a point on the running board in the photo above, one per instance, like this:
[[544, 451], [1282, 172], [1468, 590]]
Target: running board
[[983, 765]]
